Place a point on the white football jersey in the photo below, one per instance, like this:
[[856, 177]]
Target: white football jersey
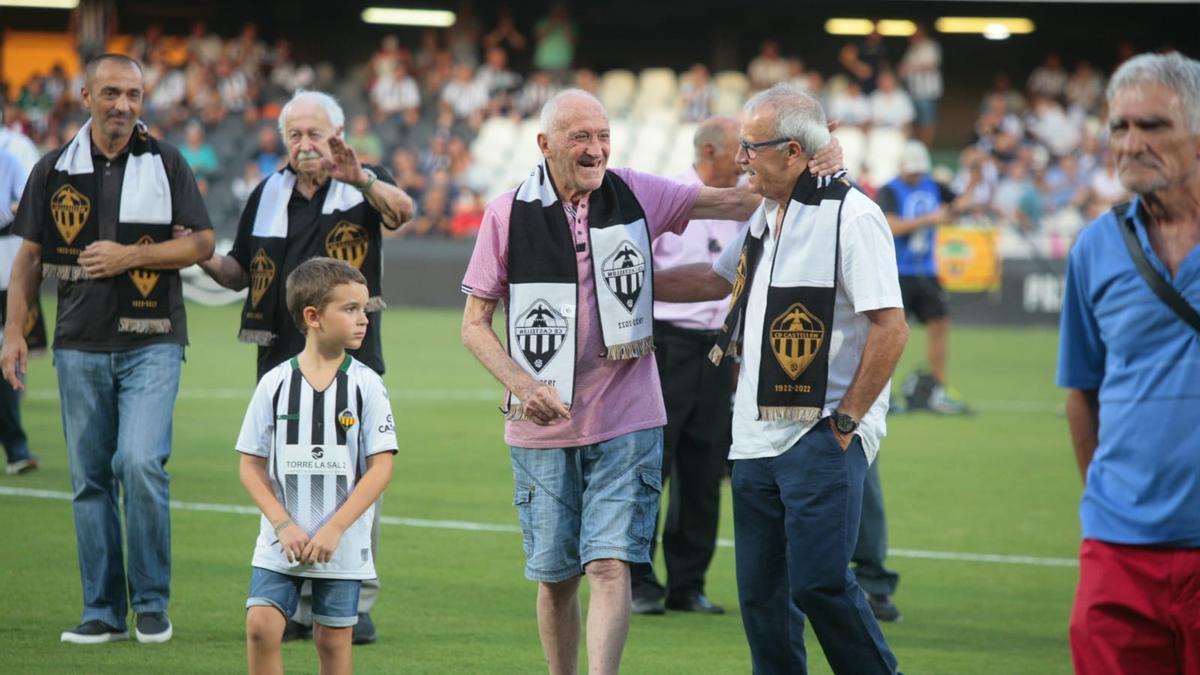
[[317, 444]]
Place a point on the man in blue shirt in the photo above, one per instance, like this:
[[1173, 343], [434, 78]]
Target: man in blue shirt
[[1131, 367], [915, 205]]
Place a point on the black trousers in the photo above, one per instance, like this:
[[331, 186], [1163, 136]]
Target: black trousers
[[695, 447]]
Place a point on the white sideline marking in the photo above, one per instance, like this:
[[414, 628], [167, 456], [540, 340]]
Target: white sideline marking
[[489, 527], [497, 395]]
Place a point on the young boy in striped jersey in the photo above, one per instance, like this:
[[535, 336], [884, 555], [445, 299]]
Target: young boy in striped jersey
[[317, 445]]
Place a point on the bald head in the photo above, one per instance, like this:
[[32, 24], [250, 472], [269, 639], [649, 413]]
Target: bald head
[[716, 152], [567, 105], [716, 132], [575, 142]]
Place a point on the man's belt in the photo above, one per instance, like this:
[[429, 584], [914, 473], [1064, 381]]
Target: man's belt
[[689, 334]]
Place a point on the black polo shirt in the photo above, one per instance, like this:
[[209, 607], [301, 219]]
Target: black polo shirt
[[87, 310], [303, 243]]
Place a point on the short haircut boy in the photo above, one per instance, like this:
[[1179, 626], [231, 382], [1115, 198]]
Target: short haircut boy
[[310, 284]]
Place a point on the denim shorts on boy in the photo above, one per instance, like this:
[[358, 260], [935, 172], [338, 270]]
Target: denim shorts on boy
[[588, 503], [334, 601]]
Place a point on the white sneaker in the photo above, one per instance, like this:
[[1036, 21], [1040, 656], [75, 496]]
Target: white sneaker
[[22, 465]]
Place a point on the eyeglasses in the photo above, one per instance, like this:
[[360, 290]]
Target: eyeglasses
[[751, 149]]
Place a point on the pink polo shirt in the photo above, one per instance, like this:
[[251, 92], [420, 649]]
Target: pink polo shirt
[[612, 398], [701, 242]]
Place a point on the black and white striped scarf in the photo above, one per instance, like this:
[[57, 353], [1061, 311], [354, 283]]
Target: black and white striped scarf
[[544, 284], [71, 223], [341, 234], [794, 358]]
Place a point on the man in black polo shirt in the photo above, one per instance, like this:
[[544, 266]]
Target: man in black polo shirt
[[97, 214], [323, 203]]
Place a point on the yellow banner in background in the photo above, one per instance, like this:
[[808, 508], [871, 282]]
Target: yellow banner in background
[[968, 259]]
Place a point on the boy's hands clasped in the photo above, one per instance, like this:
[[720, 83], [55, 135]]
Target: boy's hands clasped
[[298, 547], [322, 545]]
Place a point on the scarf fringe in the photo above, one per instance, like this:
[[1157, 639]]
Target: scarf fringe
[[375, 304], [64, 272], [630, 350], [144, 326], [717, 356], [791, 414], [515, 413], [262, 338]]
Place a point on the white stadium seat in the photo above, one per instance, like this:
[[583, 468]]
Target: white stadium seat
[[884, 145], [617, 89], [854, 148]]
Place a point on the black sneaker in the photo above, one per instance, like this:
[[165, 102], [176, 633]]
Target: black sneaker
[[883, 608], [364, 630], [295, 630], [648, 606], [93, 633], [916, 390], [153, 627]]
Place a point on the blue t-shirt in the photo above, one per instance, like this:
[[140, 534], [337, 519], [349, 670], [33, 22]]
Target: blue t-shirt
[[915, 250], [1118, 337]]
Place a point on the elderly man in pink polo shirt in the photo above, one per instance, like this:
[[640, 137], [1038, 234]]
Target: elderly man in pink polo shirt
[[569, 252], [697, 395]]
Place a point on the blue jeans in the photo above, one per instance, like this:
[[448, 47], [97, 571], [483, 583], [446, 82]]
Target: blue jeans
[[334, 601], [795, 524], [116, 414], [588, 503]]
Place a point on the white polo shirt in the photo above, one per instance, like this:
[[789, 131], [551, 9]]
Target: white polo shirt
[[867, 280]]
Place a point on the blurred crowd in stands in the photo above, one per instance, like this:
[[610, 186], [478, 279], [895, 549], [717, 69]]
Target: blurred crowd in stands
[[453, 121]]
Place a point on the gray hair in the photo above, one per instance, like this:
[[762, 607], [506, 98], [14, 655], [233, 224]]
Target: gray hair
[[1173, 71], [798, 116], [715, 131], [337, 117], [550, 111]]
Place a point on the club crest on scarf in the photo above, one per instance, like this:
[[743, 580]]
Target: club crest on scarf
[[624, 272], [144, 280], [262, 273], [348, 242], [540, 332], [796, 337], [31, 320], [70, 209], [739, 281]]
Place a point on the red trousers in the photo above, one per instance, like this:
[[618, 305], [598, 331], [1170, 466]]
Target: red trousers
[[1137, 610]]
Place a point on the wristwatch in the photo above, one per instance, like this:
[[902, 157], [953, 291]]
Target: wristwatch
[[844, 423], [371, 178]]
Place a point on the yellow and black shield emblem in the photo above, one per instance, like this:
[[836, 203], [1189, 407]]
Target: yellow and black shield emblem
[[144, 280], [796, 337], [348, 242], [69, 208], [31, 320], [739, 281], [345, 419], [262, 273]]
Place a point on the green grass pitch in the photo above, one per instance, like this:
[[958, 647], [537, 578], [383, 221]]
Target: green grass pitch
[[1001, 482]]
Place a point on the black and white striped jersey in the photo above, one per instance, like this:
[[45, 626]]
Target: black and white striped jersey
[[317, 444]]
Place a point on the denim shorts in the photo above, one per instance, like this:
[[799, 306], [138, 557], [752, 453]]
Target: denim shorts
[[334, 601], [588, 503]]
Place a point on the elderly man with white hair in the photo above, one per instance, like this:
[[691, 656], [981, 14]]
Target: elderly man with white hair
[[817, 311], [324, 202], [1129, 357], [569, 252]]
